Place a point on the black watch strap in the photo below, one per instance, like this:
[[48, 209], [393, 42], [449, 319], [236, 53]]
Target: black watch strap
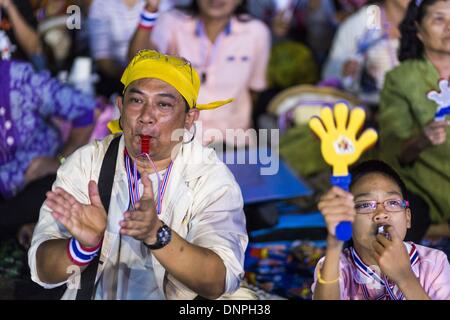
[[163, 237]]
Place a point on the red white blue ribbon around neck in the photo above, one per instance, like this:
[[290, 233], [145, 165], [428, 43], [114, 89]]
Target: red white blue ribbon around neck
[[133, 182], [383, 281]]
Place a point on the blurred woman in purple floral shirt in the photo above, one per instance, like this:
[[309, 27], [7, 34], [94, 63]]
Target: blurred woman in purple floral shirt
[[31, 145]]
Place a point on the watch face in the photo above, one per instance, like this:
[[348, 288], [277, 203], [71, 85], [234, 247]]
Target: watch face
[[164, 235]]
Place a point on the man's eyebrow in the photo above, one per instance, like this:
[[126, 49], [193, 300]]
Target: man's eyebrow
[[167, 95], [162, 94], [135, 90]]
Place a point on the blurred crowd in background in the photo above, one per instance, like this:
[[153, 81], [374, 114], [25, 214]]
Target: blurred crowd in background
[[280, 60]]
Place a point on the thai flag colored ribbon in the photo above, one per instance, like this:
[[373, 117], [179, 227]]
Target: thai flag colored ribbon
[[80, 255]]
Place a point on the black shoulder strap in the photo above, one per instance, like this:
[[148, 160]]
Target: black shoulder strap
[[105, 182], [107, 171]]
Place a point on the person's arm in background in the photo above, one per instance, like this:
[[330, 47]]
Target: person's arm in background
[[61, 101], [396, 126], [434, 134], [43, 166], [141, 38], [156, 35], [26, 36], [100, 41]]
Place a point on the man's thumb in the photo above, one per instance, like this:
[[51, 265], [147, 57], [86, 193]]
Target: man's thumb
[[94, 196]]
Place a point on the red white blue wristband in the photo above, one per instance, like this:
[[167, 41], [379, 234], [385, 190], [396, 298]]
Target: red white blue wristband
[[80, 255], [148, 19]]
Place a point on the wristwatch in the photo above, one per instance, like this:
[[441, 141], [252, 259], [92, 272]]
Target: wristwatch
[[163, 237]]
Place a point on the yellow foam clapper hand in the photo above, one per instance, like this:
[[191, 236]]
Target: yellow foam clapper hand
[[339, 145], [337, 129]]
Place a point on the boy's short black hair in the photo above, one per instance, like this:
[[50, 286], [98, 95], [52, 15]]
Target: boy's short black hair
[[377, 166]]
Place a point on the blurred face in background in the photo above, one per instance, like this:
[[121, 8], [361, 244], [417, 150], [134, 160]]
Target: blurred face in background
[[434, 30], [217, 9]]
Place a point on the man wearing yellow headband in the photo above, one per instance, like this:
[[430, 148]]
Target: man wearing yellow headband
[[178, 239]]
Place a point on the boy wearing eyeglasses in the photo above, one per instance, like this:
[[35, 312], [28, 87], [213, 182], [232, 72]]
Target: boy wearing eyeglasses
[[378, 265]]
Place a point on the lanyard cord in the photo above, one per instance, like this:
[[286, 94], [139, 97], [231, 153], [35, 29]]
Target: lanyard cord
[[133, 183]]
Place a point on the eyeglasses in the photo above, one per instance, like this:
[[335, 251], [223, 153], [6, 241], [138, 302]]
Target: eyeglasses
[[389, 205], [178, 62]]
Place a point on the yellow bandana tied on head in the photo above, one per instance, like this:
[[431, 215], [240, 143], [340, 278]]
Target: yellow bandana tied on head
[[177, 72]]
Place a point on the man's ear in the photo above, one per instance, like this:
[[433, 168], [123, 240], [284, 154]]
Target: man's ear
[[119, 103], [191, 116]]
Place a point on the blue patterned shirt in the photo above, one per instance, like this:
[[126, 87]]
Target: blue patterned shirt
[[28, 102]]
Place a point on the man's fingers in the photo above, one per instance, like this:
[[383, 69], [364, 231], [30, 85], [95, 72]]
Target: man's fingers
[[60, 191], [148, 189], [134, 215], [65, 221], [135, 225], [70, 199], [55, 206], [59, 200], [143, 166], [136, 233], [94, 196]]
